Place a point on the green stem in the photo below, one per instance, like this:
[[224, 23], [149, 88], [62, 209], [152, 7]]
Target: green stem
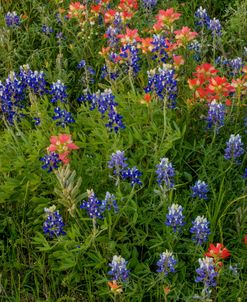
[[164, 120], [131, 81]]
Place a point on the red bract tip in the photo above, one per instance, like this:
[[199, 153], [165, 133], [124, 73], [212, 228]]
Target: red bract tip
[[205, 71], [63, 145], [217, 252], [184, 35]]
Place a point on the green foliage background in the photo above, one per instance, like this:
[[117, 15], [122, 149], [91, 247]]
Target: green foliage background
[[74, 267]]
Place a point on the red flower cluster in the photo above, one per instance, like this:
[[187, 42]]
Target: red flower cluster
[[240, 84], [217, 252], [207, 85], [130, 37], [62, 145], [165, 19], [184, 36]]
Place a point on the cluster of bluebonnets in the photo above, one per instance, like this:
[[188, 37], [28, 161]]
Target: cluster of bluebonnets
[[15, 98], [50, 161], [121, 169], [12, 19], [203, 20], [105, 104], [162, 81], [95, 208], [53, 225], [149, 4]]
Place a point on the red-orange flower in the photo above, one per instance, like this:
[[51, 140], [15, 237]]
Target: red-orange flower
[[240, 85], [130, 36], [109, 15], [167, 290], [220, 86], [62, 144], [76, 9], [146, 45], [166, 17], [115, 287], [184, 35], [195, 83], [178, 61], [205, 71], [217, 252], [105, 51], [128, 5]]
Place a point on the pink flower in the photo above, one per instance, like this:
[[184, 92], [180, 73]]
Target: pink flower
[[62, 144], [178, 60], [184, 35], [166, 18]]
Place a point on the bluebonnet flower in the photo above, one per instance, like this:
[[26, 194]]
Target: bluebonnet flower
[[234, 147], [234, 269], [53, 225], [207, 274], [133, 175], [12, 95], [60, 37], [93, 205], [200, 230], [236, 65], [118, 162], [47, 30], [113, 57], [35, 80], [115, 120], [106, 72], [166, 263], [149, 4], [87, 75], [163, 82], [216, 115], [90, 70], [58, 18], [222, 61], [159, 48], [12, 19], [129, 53], [112, 33], [36, 121], [245, 173], [14, 91], [64, 117], [196, 47], [215, 26], [118, 270], [201, 16], [175, 217], [105, 103], [58, 92], [165, 174], [14, 87], [81, 64], [51, 161], [109, 202], [200, 190], [86, 97]]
